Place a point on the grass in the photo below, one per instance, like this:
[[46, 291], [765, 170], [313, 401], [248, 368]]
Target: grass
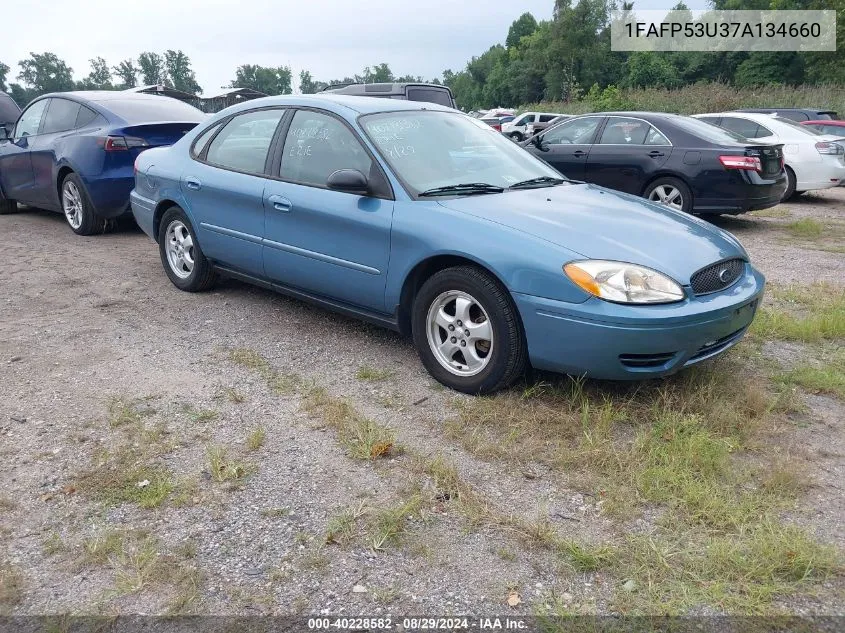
[[7, 505], [278, 382], [826, 377], [122, 412], [341, 527], [53, 544], [233, 395], [255, 440], [362, 437], [127, 479], [809, 314], [276, 513], [370, 374], [806, 228], [388, 525], [223, 468], [774, 213]]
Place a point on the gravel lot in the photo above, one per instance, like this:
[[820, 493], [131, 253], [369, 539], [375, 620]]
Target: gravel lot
[[89, 325]]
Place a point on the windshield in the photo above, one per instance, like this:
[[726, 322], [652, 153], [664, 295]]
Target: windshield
[[429, 149]]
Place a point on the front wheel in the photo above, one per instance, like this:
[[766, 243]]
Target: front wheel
[[670, 192], [181, 255], [517, 137], [8, 206], [467, 331]]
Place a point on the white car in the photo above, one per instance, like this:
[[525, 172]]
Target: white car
[[813, 160], [518, 128]]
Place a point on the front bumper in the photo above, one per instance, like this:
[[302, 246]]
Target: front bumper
[[609, 341]]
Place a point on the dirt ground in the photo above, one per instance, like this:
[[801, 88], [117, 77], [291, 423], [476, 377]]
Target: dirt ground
[[92, 332]]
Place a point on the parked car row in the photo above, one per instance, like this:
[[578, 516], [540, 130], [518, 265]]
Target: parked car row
[[415, 217]]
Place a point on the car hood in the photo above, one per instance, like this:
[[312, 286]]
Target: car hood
[[598, 223]]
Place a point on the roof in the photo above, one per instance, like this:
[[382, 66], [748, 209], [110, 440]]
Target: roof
[[835, 122], [339, 103], [98, 96]]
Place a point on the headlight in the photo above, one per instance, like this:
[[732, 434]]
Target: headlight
[[623, 283]]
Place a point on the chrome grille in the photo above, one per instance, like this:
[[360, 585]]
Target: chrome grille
[[717, 276]]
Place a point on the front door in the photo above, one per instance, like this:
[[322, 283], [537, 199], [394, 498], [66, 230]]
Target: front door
[[329, 243], [15, 161], [566, 146]]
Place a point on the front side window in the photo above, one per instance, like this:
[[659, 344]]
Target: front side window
[[525, 120], [30, 120], [243, 144], [579, 131], [429, 149], [624, 131], [318, 145], [60, 117]]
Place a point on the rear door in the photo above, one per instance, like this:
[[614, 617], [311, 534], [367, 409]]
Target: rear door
[[59, 122], [566, 146], [224, 187], [329, 243], [15, 161], [628, 152]]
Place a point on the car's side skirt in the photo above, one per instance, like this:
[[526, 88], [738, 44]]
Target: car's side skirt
[[384, 320]]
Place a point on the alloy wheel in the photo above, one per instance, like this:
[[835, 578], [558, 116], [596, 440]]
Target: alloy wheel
[[668, 196], [180, 249], [459, 333], [72, 204]]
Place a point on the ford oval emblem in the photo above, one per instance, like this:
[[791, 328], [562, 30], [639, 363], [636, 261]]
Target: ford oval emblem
[[724, 275]]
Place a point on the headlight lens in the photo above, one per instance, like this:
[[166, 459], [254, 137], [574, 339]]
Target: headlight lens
[[623, 283]]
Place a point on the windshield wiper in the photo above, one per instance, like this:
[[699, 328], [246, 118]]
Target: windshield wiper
[[542, 180], [466, 187]]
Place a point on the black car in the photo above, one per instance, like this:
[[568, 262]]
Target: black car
[[673, 160], [9, 111], [796, 114], [431, 93]]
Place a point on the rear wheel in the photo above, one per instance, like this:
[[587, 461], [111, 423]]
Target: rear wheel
[[670, 192], [181, 255], [468, 332], [8, 206], [77, 207], [517, 136], [790, 184]]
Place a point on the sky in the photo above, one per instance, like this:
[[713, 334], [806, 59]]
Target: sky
[[330, 38]]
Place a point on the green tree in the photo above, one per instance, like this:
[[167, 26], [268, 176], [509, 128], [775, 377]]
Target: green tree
[[4, 71], [647, 69], [99, 78], [179, 73], [307, 84], [523, 26], [152, 69], [380, 73], [128, 73], [45, 72], [270, 81]]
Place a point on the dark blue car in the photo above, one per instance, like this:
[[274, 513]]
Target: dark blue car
[[74, 152]]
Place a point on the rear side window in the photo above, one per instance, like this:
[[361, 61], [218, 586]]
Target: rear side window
[[9, 110], [623, 131], [202, 140], [795, 116], [430, 95], [743, 127], [243, 144], [545, 118], [85, 117], [318, 145], [60, 117]]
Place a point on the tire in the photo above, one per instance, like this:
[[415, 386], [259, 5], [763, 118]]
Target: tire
[[181, 256], [8, 206], [77, 207], [500, 353], [672, 187], [790, 184], [517, 137]]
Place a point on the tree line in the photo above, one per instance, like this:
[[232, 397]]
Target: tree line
[[561, 60]]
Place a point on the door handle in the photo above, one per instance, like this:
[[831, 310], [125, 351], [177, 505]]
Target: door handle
[[280, 203], [193, 183], [579, 153], [655, 154]]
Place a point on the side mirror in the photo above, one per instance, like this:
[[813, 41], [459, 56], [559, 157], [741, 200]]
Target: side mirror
[[348, 180], [537, 140]]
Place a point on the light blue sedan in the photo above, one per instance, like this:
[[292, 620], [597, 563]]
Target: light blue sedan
[[423, 220]]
